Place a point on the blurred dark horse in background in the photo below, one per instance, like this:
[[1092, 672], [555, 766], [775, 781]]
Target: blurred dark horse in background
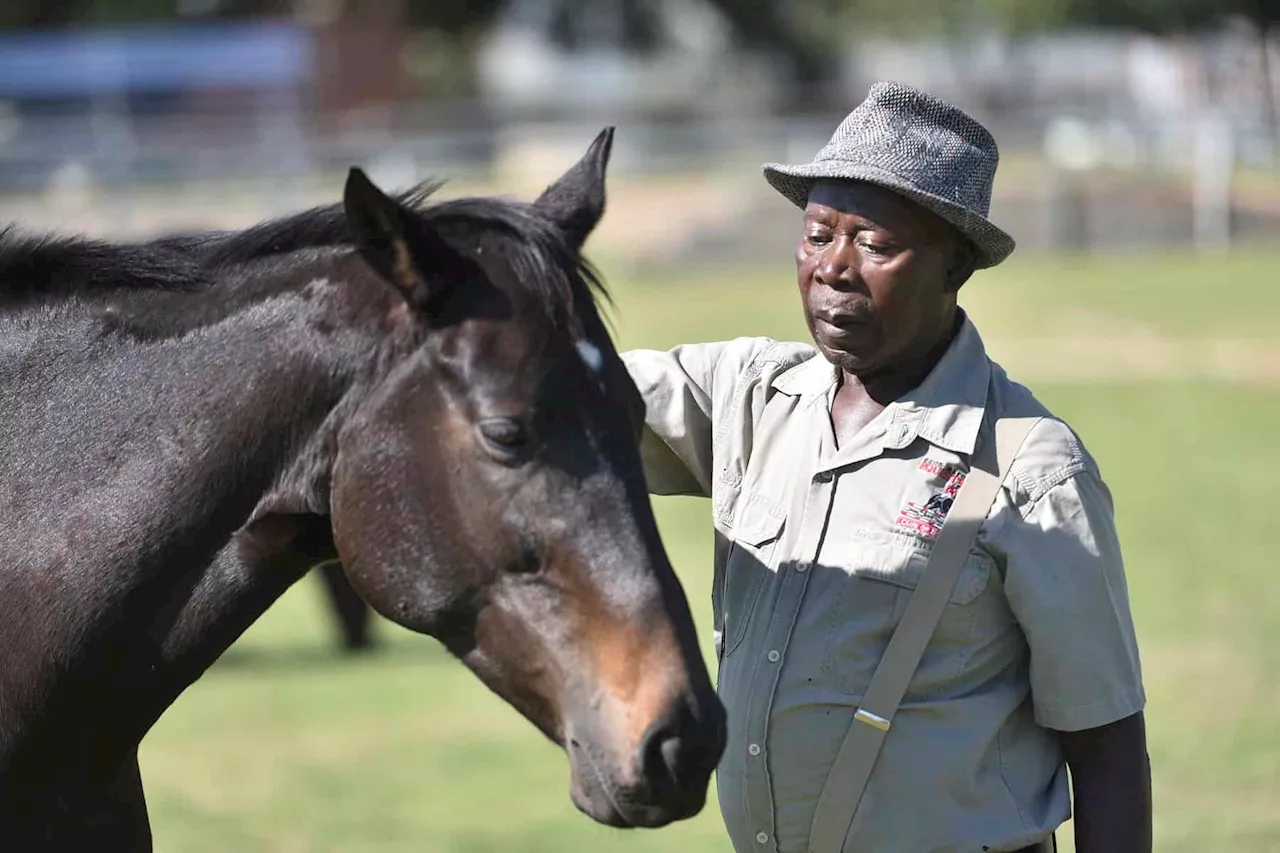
[[424, 392], [349, 610]]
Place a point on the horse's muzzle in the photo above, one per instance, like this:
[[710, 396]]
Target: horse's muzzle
[[668, 775]]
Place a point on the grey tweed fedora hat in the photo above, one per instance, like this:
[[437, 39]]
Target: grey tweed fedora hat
[[918, 146]]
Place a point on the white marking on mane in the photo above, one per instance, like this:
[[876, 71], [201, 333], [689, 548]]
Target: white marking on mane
[[591, 357]]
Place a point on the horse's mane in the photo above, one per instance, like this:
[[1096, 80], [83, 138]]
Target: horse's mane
[[549, 268], [318, 228], [49, 266], [35, 266]]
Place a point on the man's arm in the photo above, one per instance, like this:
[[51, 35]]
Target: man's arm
[[1066, 585], [1111, 778], [682, 387]]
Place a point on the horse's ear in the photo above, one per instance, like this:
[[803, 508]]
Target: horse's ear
[[380, 224], [576, 201]]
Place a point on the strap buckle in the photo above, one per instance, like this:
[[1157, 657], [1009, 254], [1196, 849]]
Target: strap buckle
[[874, 720]]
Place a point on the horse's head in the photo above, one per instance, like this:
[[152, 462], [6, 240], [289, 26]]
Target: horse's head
[[489, 493]]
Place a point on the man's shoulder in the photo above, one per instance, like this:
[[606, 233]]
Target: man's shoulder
[[737, 353], [765, 366], [723, 370], [745, 353], [1053, 451], [753, 360]]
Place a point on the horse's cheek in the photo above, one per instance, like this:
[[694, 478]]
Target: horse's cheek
[[356, 533], [387, 553]]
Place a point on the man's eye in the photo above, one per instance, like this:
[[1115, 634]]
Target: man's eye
[[818, 239], [877, 248]]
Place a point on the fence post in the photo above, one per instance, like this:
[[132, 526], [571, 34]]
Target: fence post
[[1213, 165]]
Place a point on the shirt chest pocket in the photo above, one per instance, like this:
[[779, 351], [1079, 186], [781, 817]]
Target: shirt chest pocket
[[874, 579], [742, 571]]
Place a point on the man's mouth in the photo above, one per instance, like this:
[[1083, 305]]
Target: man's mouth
[[841, 323]]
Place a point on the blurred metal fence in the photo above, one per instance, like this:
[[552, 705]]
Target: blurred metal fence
[[1105, 144]]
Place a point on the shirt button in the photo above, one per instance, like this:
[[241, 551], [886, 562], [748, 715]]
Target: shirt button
[[754, 749], [774, 657], [802, 567], [762, 837]]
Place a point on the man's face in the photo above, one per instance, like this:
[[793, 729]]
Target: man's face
[[873, 270]]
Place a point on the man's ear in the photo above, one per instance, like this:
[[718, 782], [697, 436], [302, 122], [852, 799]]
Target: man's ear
[[575, 202], [964, 259], [381, 226]]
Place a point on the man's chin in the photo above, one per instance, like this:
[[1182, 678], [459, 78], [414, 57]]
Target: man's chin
[[854, 362]]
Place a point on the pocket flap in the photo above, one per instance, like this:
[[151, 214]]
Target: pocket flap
[[759, 520], [891, 565]]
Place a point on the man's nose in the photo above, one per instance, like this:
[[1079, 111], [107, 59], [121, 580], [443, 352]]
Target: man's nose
[[836, 268]]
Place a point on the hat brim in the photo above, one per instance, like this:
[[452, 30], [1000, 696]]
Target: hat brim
[[993, 244]]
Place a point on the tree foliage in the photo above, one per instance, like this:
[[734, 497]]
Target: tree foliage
[[806, 33]]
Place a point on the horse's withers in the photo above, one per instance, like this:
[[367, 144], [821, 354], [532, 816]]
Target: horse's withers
[[489, 493]]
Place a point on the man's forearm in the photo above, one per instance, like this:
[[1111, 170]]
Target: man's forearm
[[1111, 780]]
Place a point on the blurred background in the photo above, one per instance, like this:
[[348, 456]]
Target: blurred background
[[1140, 174]]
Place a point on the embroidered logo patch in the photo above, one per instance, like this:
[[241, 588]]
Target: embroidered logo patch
[[936, 468], [926, 519]]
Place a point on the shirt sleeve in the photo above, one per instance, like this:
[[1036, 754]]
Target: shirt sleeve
[[1065, 583], [683, 388]]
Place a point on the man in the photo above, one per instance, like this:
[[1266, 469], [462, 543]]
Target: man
[[831, 470]]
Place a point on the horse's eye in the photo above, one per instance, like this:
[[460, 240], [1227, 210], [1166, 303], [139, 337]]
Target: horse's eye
[[506, 436]]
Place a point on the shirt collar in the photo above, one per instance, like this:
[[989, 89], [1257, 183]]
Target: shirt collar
[[814, 375], [947, 409], [949, 406]]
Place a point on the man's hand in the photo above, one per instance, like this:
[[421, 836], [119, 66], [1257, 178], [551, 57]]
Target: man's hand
[[1111, 779]]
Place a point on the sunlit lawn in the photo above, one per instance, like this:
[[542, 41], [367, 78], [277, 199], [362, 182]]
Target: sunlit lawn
[[287, 746]]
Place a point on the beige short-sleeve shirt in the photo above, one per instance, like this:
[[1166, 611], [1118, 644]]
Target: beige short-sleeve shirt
[[817, 552]]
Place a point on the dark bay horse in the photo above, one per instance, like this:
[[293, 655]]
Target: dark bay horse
[[423, 391]]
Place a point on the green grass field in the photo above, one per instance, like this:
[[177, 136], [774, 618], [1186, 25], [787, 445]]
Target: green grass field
[[1168, 367]]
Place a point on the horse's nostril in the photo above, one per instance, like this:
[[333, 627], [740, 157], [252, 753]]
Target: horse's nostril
[[672, 750], [678, 751], [662, 759], [654, 764]]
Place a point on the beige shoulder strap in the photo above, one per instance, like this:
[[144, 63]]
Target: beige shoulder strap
[[871, 723]]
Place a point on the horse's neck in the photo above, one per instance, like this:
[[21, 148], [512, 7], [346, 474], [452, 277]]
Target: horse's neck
[[254, 428], [135, 469], [288, 530]]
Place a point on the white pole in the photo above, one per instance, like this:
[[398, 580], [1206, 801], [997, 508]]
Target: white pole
[[1211, 182]]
